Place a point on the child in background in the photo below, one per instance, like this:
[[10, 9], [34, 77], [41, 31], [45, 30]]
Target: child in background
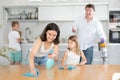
[[14, 43], [73, 53]]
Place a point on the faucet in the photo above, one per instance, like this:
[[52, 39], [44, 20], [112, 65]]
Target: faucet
[[27, 33]]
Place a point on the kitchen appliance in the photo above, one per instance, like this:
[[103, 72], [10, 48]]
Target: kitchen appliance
[[114, 35], [103, 48]]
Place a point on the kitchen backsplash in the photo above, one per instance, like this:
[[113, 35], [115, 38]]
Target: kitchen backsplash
[[36, 29]]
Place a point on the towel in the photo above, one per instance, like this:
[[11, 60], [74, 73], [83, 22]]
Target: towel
[[68, 68], [32, 75]]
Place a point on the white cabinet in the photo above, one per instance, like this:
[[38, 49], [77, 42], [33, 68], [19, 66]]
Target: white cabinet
[[97, 56], [55, 12], [68, 12], [78, 10], [21, 13], [112, 51], [101, 11], [25, 51]]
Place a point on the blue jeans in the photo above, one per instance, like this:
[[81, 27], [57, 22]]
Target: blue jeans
[[89, 55], [41, 60], [38, 60]]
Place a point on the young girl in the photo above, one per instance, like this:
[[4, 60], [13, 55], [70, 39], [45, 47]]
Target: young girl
[[73, 53]]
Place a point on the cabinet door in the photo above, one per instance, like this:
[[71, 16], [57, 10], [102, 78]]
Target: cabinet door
[[101, 11], [113, 53], [25, 52], [78, 10], [48, 13]]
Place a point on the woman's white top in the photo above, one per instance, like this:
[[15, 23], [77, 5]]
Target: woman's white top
[[72, 58], [42, 51]]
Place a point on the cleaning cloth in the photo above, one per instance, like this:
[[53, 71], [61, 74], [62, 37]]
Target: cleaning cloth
[[32, 75], [68, 68]]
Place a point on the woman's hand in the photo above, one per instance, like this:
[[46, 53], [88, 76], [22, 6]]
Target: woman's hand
[[33, 71]]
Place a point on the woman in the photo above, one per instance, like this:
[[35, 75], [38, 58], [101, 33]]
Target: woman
[[49, 39]]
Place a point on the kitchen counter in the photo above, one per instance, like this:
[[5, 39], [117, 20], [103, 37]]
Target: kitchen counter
[[66, 44], [27, 46], [113, 51], [63, 46]]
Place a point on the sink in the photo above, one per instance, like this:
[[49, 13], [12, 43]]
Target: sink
[[63, 46]]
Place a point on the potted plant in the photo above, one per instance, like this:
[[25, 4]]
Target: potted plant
[[4, 52]]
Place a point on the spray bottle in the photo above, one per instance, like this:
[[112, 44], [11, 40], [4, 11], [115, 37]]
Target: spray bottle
[[50, 61]]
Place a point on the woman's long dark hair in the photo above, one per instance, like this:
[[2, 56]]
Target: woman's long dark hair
[[51, 26]]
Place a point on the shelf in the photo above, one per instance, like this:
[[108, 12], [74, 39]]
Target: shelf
[[21, 13], [22, 20]]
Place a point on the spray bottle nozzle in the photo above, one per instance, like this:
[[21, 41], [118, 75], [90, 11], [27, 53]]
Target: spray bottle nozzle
[[50, 52]]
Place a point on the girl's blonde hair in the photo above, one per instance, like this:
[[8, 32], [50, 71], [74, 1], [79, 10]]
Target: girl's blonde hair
[[74, 38]]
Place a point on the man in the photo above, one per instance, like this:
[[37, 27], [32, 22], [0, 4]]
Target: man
[[87, 28]]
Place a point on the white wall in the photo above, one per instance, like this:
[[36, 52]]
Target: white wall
[[37, 27], [114, 4], [1, 26]]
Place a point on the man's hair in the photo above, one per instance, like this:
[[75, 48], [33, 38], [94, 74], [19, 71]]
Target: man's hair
[[90, 6], [14, 23]]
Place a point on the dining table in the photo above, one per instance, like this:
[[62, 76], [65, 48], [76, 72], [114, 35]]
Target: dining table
[[84, 72]]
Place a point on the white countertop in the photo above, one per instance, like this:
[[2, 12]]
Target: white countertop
[[62, 44]]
